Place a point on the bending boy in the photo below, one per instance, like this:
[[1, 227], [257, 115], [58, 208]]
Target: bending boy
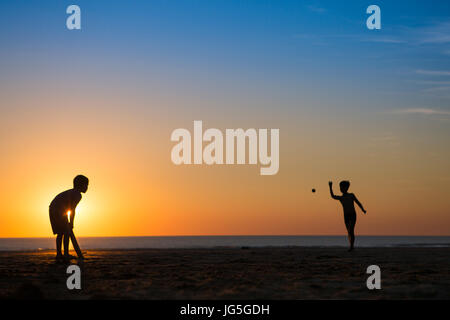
[[62, 215]]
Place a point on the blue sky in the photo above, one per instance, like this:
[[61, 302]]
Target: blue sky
[[319, 42], [252, 50]]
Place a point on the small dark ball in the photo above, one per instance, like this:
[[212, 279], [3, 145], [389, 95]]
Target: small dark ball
[[313, 190]]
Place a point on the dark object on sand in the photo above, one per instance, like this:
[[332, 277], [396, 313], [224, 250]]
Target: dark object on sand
[[29, 291]]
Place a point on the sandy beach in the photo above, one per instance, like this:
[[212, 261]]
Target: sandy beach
[[246, 273]]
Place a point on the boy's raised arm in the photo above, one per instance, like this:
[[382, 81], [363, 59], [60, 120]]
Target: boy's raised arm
[[331, 191], [75, 199], [359, 204]]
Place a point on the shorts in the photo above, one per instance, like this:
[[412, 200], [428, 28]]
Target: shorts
[[59, 222]]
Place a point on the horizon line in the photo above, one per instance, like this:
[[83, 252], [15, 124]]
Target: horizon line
[[240, 235]]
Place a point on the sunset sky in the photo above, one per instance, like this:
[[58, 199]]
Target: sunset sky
[[372, 107]]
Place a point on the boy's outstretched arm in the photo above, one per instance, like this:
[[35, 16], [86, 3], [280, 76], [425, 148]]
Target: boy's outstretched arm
[[331, 191], [72, 216], [359, 204]]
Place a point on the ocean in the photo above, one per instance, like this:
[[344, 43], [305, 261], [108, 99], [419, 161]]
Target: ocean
[[31, 244]]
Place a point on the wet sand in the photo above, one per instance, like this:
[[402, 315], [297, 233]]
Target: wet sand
[[247, 273]]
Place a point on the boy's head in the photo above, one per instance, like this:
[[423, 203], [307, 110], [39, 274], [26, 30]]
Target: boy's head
[[80, 183], [344, 185]]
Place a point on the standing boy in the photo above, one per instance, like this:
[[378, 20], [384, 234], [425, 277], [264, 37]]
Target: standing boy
[[348, 204]]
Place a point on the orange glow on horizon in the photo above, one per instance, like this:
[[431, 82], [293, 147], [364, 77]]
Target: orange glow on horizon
[[135, 190]]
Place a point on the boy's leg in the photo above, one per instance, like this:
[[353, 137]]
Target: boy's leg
[[75, 244], [66, 244], [352, 237], [351, 233], [59, 238]]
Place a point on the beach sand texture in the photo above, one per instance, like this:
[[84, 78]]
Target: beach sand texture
[[224, 273]]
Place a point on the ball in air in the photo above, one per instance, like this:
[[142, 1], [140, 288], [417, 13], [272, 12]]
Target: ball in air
[[313, 190]]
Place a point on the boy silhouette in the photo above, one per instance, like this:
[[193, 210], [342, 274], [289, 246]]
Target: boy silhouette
[[62, 208], [348, 204]]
